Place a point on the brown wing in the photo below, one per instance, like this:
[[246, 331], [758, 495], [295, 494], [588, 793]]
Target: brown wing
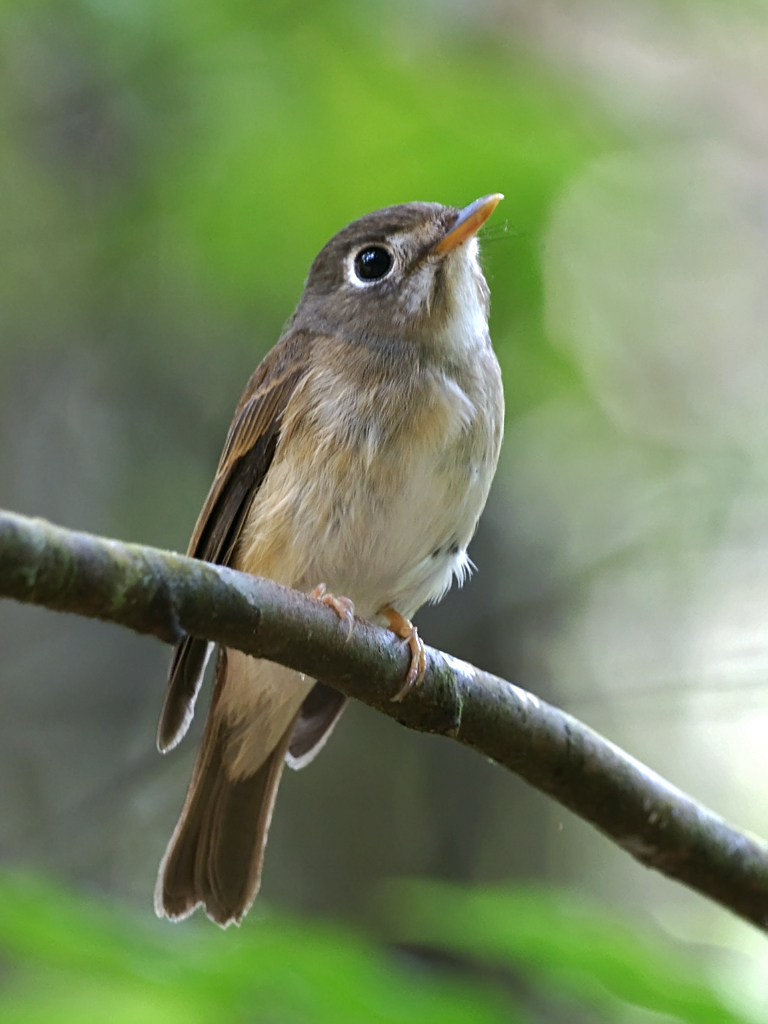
[[248, 453]]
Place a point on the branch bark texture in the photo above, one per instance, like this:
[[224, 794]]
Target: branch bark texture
[[168, 595]]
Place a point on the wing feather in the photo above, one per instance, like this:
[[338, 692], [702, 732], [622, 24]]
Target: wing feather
[[246, 458]]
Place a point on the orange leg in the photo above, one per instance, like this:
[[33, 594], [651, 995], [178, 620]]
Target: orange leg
[[405, 629], [341, 605]]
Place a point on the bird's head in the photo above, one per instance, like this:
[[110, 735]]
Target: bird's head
[[408, 273]]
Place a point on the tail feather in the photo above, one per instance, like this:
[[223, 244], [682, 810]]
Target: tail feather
[[317, 717], [216, 853], [184, 678]]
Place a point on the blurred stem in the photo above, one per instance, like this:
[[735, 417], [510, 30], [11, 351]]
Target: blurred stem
[[169, 596]]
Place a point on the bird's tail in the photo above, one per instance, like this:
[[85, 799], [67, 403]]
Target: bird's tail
[[216, 852]]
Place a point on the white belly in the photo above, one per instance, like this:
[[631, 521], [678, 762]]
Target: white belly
[[400, 546]]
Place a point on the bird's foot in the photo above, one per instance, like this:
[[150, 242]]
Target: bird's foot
[[341, 605], [406, 630]]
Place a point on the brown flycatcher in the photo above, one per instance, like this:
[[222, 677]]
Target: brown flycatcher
[[359, 458]]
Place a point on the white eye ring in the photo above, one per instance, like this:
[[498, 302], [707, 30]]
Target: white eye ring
[[370, 264]]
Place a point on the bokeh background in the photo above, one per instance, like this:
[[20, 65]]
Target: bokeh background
[[168, 169]]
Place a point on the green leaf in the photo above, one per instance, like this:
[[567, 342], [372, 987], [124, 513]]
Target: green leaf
[[559, 941], [83, 960]]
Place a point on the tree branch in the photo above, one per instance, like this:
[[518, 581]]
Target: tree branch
[[169, 596]]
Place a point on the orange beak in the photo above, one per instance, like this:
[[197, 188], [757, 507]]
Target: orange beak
[[468, 223]]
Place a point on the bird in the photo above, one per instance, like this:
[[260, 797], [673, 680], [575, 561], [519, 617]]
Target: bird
[[355, 469]]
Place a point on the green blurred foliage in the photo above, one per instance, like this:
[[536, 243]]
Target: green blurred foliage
[[87, 961], [560, 942], [201, 153], [72, 959]]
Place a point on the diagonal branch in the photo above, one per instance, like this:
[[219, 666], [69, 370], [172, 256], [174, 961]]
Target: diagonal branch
[[168, 596]]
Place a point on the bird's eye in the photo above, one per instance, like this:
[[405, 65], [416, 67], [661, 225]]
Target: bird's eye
[[373, 263]]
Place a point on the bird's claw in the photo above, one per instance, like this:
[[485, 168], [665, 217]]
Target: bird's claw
[[343, 607], [406, 630]]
